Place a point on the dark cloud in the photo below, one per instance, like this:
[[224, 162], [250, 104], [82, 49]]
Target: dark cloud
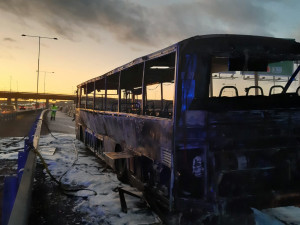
[[136, 23], [65, 17], [216, 16], [9, 39]]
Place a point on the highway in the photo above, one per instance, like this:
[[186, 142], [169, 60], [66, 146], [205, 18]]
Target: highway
[[31, 95]]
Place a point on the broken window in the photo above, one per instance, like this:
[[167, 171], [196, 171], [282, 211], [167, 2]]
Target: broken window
[[131, 89], [82, 96], [159, 83], [112, 85], [78, 98], [226, 83], [100, 94], [90, 96]]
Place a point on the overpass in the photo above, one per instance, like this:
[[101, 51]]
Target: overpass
[[29, 95]]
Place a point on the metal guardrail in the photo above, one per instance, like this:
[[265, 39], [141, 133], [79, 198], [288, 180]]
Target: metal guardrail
[[19, 213]]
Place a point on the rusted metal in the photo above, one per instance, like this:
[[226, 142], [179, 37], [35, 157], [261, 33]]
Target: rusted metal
[[118, 155], [122, 198]]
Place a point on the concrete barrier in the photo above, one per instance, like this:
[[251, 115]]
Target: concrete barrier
[[8, 116], [13, 115]]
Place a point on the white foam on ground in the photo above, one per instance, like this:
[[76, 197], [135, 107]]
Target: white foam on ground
[[104, 208], [10, 152]]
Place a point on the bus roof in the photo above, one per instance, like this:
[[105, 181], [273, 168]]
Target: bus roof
[[223, 45]]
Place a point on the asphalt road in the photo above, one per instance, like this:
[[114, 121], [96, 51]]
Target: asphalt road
[[49, 204], [61, 124]]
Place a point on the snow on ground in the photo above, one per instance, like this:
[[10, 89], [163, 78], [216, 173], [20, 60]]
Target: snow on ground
[[87, 171], [9, 147]]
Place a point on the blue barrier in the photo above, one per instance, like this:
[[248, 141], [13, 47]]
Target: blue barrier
[[12, 184], [22, 157], [9, 196], [28, 145]]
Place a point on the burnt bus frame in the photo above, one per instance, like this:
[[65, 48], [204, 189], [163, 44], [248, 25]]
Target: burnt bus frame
[[144, 60], [180, 49]]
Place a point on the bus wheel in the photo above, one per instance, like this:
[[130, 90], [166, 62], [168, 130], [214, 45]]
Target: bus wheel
[[121, 167]]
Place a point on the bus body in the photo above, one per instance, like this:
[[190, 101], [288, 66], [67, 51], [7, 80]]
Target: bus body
[[201, 125]]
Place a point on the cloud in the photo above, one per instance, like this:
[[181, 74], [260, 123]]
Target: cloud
[[140, 24], [9, 39], [125, 20], [215, 16], [297, 34]]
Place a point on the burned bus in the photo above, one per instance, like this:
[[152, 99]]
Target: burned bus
[[201, 126]]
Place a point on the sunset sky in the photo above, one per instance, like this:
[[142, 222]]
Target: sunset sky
[[95, 36]]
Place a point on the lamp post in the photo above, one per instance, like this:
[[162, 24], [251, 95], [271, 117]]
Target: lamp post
[[38, 71], [45, 73]]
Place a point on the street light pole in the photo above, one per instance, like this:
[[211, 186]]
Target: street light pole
[[10, 84], [38, 71], [38, 75], [45, 79]]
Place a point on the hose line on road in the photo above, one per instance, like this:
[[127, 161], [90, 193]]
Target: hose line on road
[[46, 124], [66, 190], [2, 151], [10, 150]]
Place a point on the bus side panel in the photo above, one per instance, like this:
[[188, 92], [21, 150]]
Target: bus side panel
[[142, 134]]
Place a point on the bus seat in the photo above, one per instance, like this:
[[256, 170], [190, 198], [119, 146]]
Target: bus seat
[[229, 87], [297, 90], [254, 87]]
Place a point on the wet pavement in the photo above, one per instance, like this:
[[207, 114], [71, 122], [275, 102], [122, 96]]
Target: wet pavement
[[49, 204], [52, 205], [61, 124]]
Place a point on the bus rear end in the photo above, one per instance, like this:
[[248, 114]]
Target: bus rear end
[[238, 125]]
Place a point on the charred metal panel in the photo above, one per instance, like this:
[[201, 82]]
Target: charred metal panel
[[142, 134], [255, 151], [224, 157], [109, 144], [192, 154], [253, 130]]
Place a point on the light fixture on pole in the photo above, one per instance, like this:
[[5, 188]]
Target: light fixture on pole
[[38, 71]]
